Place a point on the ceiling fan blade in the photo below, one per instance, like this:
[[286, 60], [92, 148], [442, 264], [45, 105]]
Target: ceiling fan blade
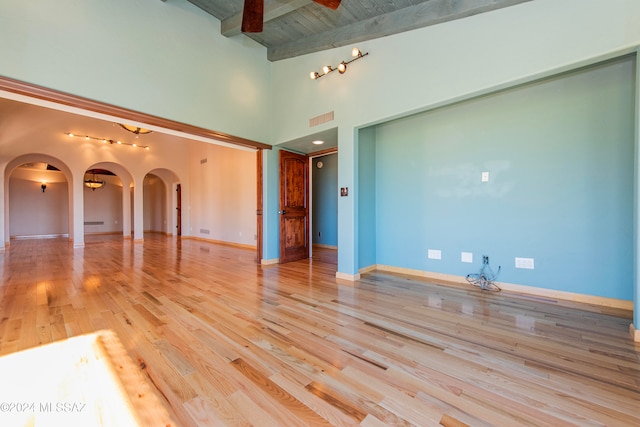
[[252, 16], [331, 4]]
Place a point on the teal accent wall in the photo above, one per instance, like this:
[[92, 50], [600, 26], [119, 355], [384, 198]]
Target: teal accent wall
[[366, 197], [559, 153], [271, 205], [636, 213], [325, 200]]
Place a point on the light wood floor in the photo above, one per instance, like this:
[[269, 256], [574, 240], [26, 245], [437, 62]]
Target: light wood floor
[[227, 342]]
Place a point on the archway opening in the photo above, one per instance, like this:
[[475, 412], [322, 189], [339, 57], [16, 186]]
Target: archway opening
[[102, 194], [38, 201], [155, 204]]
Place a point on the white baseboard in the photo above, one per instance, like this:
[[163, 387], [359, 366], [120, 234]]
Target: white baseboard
[[40, 236], [348, 277], [635, 333], [220, 242], [320, 245]]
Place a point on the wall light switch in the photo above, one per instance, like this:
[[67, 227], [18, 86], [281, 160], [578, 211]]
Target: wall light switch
[[466, 257], [485, 176], [434, 254]]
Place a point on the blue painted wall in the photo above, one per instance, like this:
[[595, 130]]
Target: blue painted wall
[[366, 149], [325, 200], [271, 205], [560, 158]]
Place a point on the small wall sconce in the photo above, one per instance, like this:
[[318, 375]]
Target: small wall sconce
[[43, 186], [342, 67]]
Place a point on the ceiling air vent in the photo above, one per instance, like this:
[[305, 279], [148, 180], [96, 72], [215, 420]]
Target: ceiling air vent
[[322, 118]]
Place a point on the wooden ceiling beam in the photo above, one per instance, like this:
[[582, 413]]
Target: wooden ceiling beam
[[410, 18], [273, 9]]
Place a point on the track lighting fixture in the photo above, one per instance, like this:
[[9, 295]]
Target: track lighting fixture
[[105, 141], [342, 67]]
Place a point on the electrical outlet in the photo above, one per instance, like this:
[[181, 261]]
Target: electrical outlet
[[485, 177], [466, 257], [526, 263], [434, 254]]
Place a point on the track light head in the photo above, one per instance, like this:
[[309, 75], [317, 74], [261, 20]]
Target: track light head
[[341, 67]]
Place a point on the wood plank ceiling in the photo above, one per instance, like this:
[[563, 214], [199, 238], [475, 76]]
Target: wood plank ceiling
[[298, 27]]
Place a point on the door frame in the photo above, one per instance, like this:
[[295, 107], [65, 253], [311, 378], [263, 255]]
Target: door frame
[[178, 210], [259, 204], [311, 157]]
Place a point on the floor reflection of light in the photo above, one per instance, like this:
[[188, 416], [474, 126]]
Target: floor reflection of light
[[467, 308], [92, 283], [525, 322], [434, 302], [69, 382]]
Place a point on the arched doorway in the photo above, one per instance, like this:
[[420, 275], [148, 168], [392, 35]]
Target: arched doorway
[[107, 201], [162, 194], [38, 201], [28, 182], [155, 204]]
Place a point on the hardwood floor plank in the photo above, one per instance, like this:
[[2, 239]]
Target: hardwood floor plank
[[285, 399], [226, 342], [204, 413]]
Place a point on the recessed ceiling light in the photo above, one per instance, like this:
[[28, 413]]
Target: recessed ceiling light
[[318, 142]]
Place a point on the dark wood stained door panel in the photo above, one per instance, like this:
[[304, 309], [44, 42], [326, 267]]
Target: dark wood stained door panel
[[294, 207]]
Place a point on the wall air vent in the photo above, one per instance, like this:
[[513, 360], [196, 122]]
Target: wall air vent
[[322, 118]]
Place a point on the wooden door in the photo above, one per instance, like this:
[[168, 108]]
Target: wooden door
[[294, 207], [179, 210]]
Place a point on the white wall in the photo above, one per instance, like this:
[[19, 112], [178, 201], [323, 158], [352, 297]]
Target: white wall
[[154, 204], [38, 213], [166, 59], [104, 205], [223, 193], [412, 71]]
